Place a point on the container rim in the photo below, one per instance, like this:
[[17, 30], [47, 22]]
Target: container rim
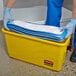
[[64, 43]]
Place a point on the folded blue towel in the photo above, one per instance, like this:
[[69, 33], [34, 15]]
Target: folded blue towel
[[39, 31]]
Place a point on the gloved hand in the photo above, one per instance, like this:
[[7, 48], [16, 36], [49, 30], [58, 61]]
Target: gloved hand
[[7, 17], [70, 27]]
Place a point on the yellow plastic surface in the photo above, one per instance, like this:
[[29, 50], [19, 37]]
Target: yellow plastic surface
[[37, 51]]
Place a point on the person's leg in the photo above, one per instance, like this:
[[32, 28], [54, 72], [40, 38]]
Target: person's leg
[[75, 39], [54, 12], [73, 56]]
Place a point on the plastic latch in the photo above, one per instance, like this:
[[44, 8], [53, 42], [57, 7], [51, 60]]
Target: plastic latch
[[70, 49]]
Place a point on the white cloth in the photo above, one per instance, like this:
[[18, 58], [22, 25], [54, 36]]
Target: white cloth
[[36, 27]]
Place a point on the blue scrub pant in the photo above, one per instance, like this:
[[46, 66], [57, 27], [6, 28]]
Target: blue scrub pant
[[54, 11], [54, 8], [75, 39]]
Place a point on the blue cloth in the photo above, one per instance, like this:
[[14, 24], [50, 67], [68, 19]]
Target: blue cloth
[[38, 34], [54, 12]]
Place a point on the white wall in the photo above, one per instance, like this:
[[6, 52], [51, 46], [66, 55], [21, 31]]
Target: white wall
[[28, 3], [1, 9]]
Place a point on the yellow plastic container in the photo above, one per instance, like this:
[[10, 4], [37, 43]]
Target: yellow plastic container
[[37, 51]]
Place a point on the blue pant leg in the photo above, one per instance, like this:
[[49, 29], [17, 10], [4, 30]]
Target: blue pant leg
[[54, 12], [75, 38]]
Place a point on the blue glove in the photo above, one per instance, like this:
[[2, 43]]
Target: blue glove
[[7, 17], [70, 27]]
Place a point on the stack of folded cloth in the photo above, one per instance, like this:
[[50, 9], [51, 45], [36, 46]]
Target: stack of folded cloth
[[37, 30]]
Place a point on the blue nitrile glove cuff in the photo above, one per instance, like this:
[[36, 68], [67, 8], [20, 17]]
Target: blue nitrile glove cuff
[[73, 21], [7, 16], [7, 9]]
